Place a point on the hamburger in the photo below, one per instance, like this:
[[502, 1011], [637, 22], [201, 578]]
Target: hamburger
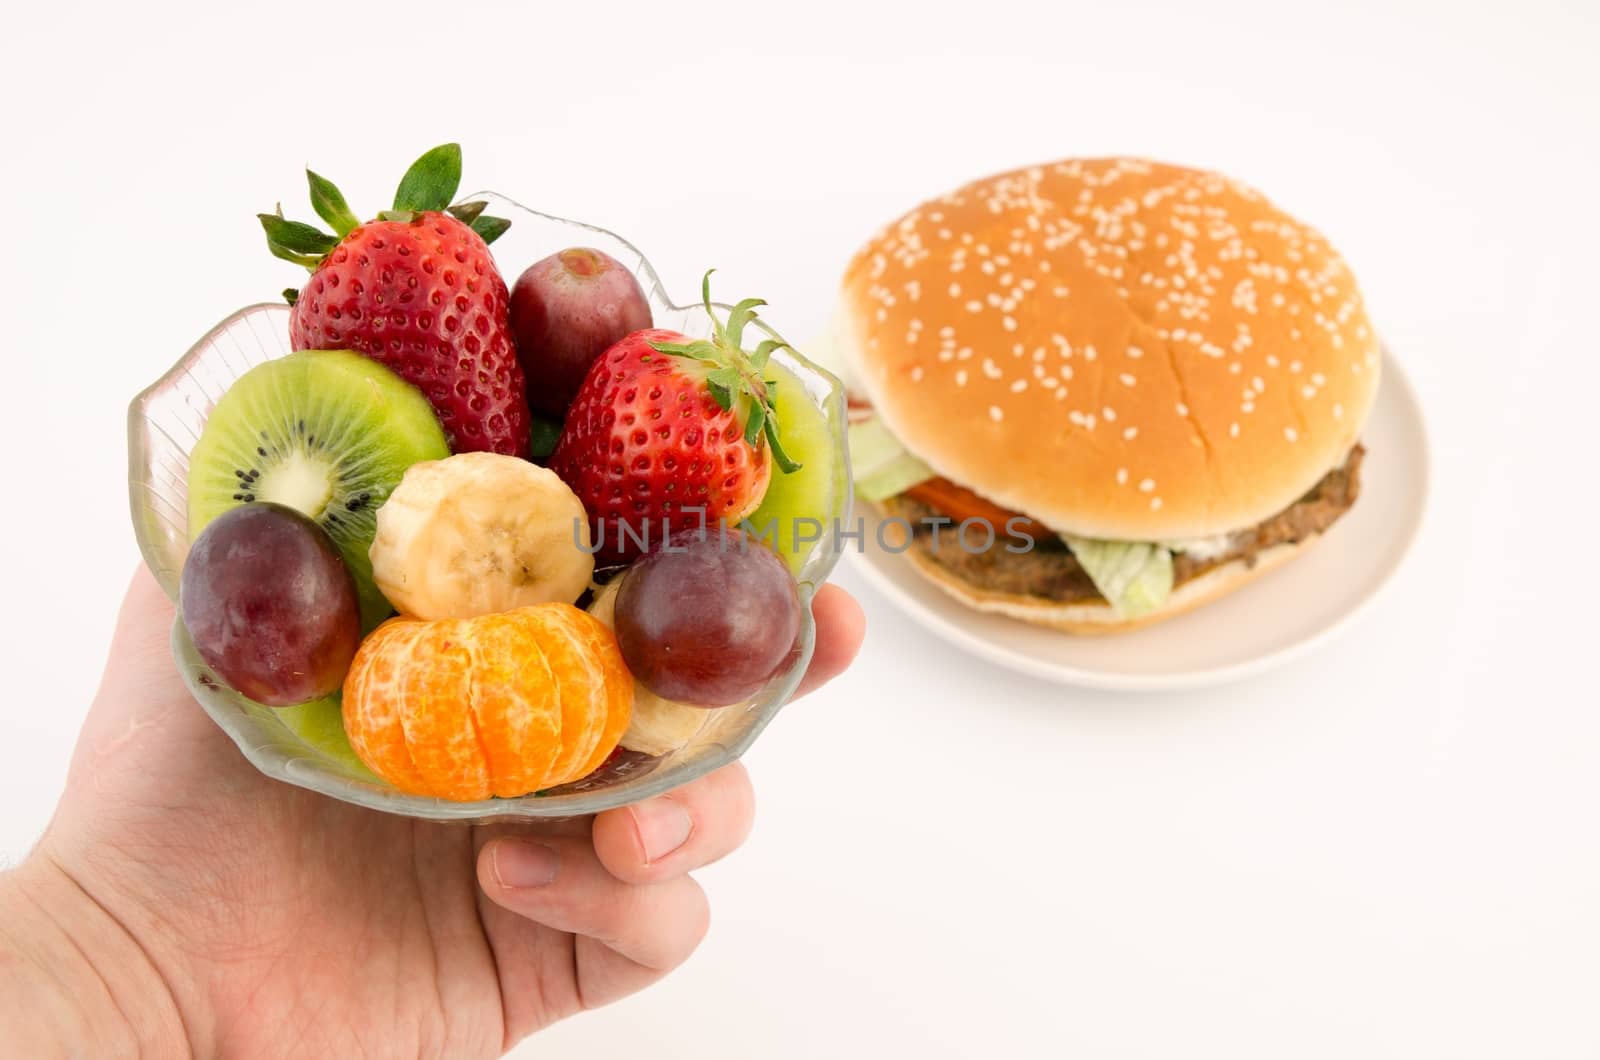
[[1101, 392]]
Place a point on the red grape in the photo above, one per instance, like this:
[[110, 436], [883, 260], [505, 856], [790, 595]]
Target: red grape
[[270, 605], [708, 618], [566, 310]]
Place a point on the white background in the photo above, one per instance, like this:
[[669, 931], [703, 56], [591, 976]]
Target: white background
[[1389, 848]]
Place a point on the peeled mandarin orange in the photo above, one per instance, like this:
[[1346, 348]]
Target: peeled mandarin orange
[[502, 704]]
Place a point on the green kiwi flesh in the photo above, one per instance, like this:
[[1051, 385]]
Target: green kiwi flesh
[[326, 432]]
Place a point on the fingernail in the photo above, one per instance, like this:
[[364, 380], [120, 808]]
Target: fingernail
[[521, 864], [663, 826]]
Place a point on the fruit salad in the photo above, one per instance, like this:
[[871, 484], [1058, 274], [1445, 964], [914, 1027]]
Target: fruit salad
[[474, 540]]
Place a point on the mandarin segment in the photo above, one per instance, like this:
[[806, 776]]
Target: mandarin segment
[[577, 657], [514, 700], [372, 703], [617, 688], [501, 704], [436, 714]]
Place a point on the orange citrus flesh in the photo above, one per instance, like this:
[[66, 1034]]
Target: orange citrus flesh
[[501, 705]]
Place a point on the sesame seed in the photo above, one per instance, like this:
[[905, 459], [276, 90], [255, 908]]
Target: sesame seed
[[1122, 476], [990, 369], [1009, 323], [1309, 391], [1130, 433], [1259, 384], [995, 413], [916, 373], [1291, 434], [961, 377], [1127, 379], [1233, 430], [1060, 292], [1018, 385], [974, 306], [1089, 353], [1295, 366], [955, 290], [1155, 504], [1338, 412], [1183, 410], [1147, 485], [1135, 352], [1318, 379]]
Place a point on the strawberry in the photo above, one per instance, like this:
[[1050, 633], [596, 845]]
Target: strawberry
[[417, 290], [669, 432]]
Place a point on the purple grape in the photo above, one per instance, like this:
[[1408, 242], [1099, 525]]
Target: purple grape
[[270, 606], [708, 618], [566, 310]]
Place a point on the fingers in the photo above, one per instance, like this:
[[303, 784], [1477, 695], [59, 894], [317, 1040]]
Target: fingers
[[841, 625], [144, 626], [679, 832], [628, 935]]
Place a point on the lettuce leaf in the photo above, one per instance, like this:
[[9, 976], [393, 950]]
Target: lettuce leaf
[[1135, 576], [880, 464]]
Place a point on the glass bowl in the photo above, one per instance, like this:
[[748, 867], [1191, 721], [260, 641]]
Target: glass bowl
[[164, 423]]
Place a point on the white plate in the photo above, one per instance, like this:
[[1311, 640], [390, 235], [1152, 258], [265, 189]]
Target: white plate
[[1266, 623]]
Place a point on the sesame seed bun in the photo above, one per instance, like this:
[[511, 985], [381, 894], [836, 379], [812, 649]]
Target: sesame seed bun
[[1119, 348], [1097, 618]]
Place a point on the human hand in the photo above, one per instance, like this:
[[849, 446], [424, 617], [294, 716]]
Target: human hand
[[180, 900]]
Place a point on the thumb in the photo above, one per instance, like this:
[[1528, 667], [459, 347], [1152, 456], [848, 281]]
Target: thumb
[[140, 665]]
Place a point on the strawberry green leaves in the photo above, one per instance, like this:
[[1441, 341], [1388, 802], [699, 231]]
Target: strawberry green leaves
[[734, 377], [427, 186], [466, 212], [296, 242], [471, 214], [490, 229], [432, 180], [329, 203]]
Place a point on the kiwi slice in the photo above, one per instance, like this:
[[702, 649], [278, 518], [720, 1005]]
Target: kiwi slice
[[326, 432]]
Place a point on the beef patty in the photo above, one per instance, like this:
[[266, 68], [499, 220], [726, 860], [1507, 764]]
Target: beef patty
[[1050, 571]]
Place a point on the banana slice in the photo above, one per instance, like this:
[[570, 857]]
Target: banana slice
[[658, 725], [479, 533]]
